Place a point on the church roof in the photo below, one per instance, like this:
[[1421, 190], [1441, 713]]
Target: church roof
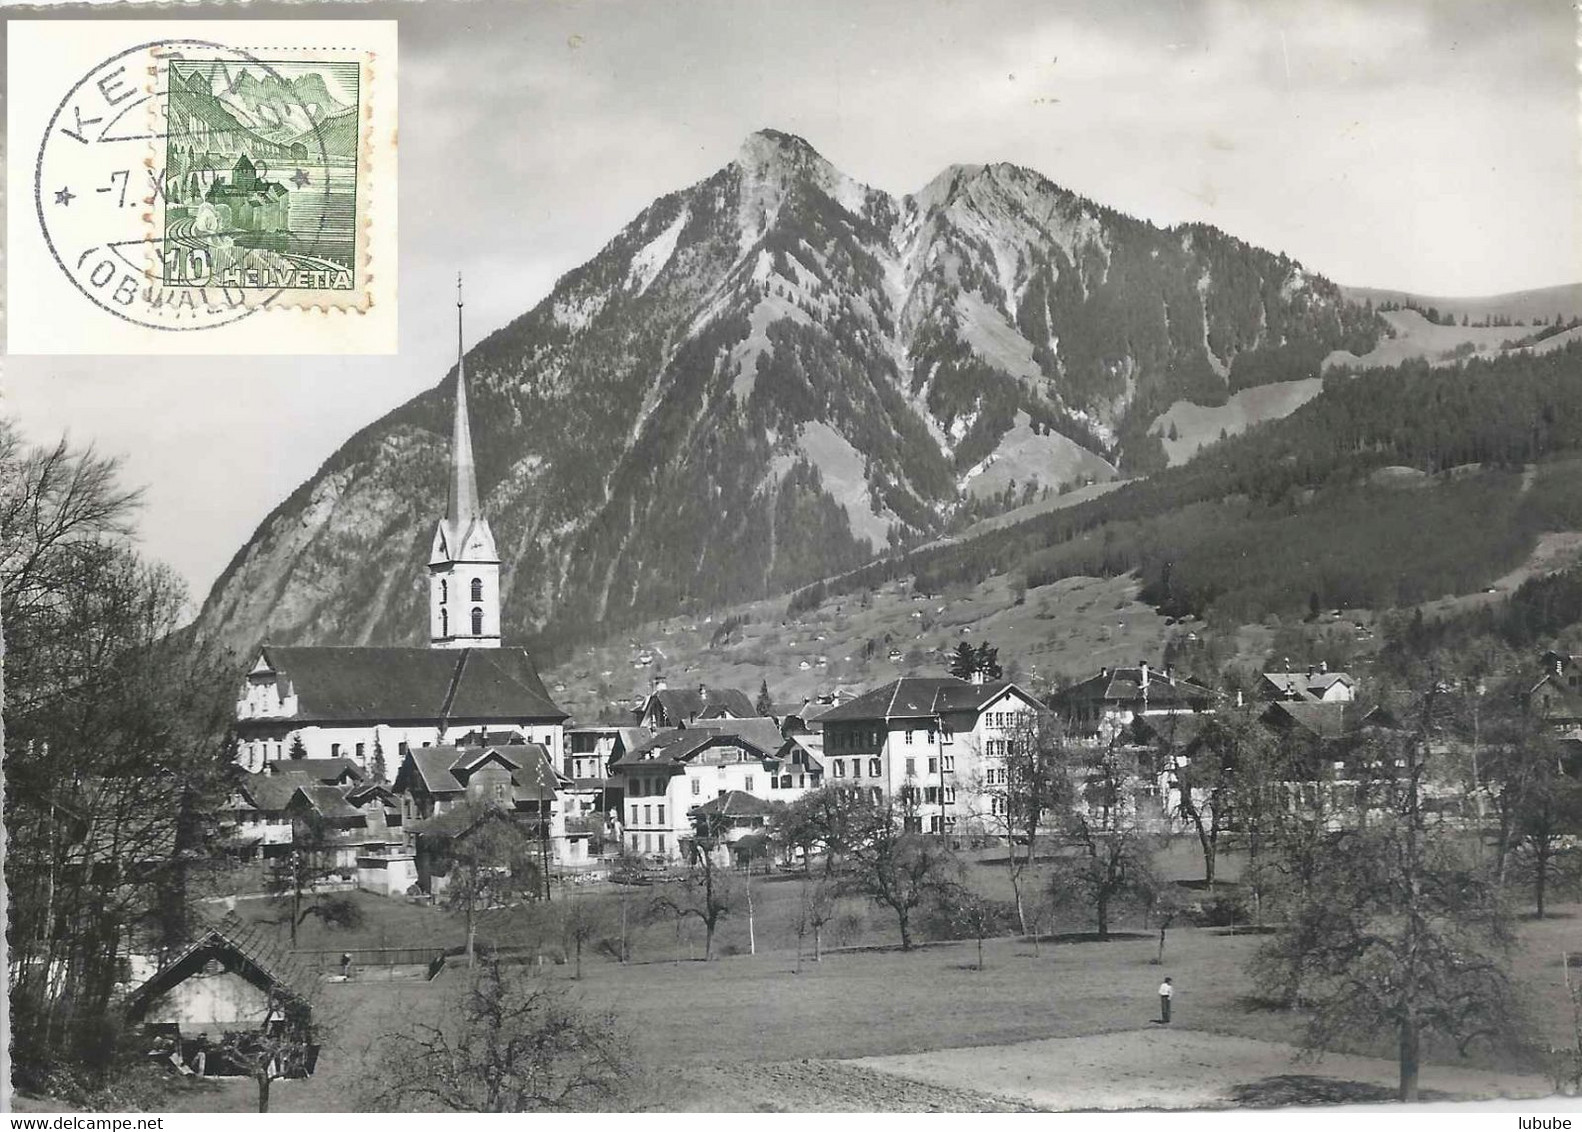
[[391, 684]]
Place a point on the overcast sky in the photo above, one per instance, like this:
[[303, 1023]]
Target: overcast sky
[[1429, 146]]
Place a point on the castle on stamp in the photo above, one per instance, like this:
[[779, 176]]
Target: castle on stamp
[[372, 704]]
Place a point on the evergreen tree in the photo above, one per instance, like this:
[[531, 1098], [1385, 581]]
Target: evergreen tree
[[764, 704]]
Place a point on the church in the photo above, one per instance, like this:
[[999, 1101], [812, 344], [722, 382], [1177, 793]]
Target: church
[[371, 704]]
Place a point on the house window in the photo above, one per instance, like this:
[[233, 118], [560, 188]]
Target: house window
[[477, 621], [444, 591], [697, 787], [930, 795], [661, 815], [748, 783], [874, 769], [930, 736], [947, 763], [634, 843], [840, 768], [909, 736], [856, 768], [933, 766], [950, 795], [335, 750], [911, 764], [648, 815], [444, 622], [634, 818], [946, 735], [360, 752], [661, 843], [477, 589]]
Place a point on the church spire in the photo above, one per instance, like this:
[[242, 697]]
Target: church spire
[[464, 567], [463, 507]]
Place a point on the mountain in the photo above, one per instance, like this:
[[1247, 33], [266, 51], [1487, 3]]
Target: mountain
[[769, 376]]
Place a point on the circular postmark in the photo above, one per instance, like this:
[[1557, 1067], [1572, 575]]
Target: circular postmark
[[183, 184]]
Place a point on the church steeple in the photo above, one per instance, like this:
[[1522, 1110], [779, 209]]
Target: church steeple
[[463, 507], [464, 567]]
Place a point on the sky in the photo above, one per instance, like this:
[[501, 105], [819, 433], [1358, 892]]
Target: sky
[[1425, 145]]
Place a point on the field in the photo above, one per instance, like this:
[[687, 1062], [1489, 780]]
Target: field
[[1067, 1024]]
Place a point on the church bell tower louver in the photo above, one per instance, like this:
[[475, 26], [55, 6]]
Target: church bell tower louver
[[464, 567]]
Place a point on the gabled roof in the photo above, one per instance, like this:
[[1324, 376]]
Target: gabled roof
[[444, 771], [682, 705], [918, 697], [1125, 686], [269, 793], [1324, 720], [328, 801], [1302, 685], [323, 770], [255, 957], [683, 744], [735, 804], [390, 684], [811, 746]]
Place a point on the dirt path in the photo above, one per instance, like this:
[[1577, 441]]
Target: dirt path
[[1160, 1068]]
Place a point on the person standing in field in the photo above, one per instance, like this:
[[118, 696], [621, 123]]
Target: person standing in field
[[1165, 993]]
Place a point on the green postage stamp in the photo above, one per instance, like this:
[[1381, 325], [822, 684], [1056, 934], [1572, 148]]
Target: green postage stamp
[[205, 187], [261, 173]]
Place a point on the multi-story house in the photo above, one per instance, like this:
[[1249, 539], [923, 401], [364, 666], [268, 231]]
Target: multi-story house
[[678, 707], [929, 743], [679, 769]]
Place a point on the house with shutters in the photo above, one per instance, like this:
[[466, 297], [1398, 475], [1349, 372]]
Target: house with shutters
[[439, 786], [680, 768], [369, 705], [928, 744]]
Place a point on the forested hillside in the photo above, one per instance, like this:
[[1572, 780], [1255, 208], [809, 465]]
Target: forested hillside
[[1392, 486]]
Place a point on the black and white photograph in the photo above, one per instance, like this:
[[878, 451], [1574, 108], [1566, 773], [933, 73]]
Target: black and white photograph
[[754, 556]]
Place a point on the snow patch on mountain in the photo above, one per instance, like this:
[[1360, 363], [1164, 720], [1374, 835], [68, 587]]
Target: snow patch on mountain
[[652, 257]]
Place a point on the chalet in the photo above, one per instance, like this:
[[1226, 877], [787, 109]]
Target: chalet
[[1101, 706], [678, 769], [676, 707], [349, 818], [927, 741], [229, 983], [519, 779]]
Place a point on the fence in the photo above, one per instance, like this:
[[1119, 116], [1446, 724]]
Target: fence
[[376, 963]]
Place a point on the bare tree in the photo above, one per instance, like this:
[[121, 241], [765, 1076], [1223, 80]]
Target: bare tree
[[507, 1042], [975, 914], [1020, 792], [285, 1043], [114, 728], [582, 919], [295, 880], [1108, 857], [491, 859], [1398, 930], [891, 864], [703, 893], [815, 909]]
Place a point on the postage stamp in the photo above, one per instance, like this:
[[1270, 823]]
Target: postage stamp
[[184, 186]]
